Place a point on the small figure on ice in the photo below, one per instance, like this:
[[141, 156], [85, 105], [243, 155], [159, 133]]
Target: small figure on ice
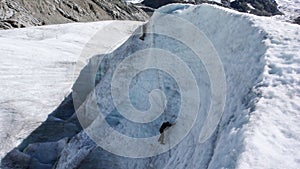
[[162, 129], [144, 32]]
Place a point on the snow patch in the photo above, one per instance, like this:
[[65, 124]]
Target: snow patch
[[38, 69]]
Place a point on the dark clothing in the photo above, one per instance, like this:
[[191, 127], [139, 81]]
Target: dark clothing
[[164, 126]]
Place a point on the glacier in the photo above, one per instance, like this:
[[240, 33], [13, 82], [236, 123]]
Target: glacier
[[259, 126], [39, 70]]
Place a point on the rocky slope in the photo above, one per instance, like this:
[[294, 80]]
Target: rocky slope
[[257, 7], [21, 13], [159, 3]]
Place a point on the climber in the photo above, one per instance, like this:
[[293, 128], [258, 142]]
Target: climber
[[144, 31], [162, 128]]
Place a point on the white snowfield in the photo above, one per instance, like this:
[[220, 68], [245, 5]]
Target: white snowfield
[[272, 136], [291, 8], [37, 71], [260, 124]]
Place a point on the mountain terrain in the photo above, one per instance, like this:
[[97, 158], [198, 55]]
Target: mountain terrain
[[258, 127], [20, 13]]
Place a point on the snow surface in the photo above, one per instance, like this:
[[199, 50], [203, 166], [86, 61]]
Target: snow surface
[[260, 125], [291, 8], [272, 136], [37, 71]]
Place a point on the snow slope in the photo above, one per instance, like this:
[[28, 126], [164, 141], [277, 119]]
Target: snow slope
[[291, 8], [273, 132], [259, 127], [37, 71]]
